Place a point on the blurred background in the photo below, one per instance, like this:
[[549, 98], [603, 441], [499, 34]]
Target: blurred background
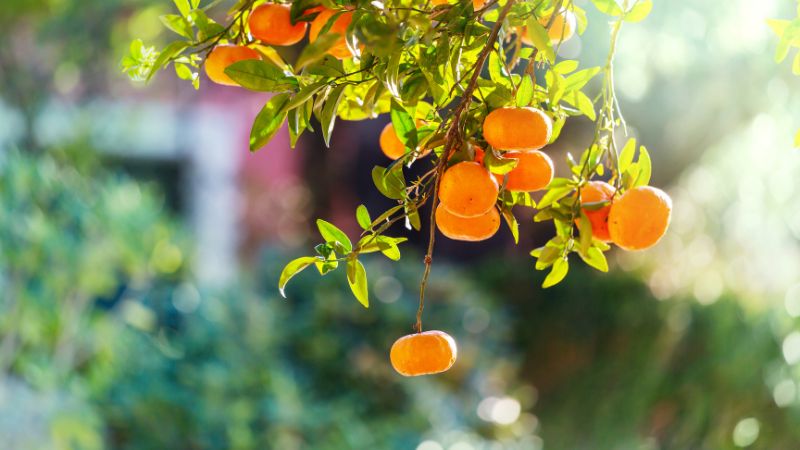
[[140, 246]]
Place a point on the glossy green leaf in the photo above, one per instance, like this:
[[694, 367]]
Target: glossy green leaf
[[331, 233], [357, 279], [268, 121], [644, 167], [260, 75], [293, 268], [595, 258], [639, 11], [557, 273], [362, 217], [538, 35], [327, 118]]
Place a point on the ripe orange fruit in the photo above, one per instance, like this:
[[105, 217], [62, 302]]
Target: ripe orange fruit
[[598, 191], [391, 145], [517, 128], [223, 56], [270, 23], [339, 49], [467, 189], [438, 2], [469, 229], [478, 4], [534, 171], [561, 30], [423, 353], [639, 217]]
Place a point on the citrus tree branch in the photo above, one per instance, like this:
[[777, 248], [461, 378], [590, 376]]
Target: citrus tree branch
[[453, 140]]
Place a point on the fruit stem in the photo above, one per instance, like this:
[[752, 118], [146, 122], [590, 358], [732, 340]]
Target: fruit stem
[[453, 137]]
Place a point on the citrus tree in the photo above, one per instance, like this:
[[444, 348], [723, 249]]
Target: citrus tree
[[475, 91]]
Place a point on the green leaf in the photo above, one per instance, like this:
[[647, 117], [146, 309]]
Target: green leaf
[[499, 165], [796, 64], [512, 223], [639, 11], [331, 233], [316, 50], [305, 93], [390, 182], [525, 92], [293, 268], [579, 79], [177, 24], [595, 258], [412, 219], [362, 217], [268, 121], [393, 74], [566, 66], [557, 273], [260, 75], [582, 102], [644, 167], [554, 194], [357, 279], [388, 247], [609, 7], [538, 35], [403, 124], [170, 51], [585, 230], [778, 26], [183, 7], [328, 116], [626, 155]]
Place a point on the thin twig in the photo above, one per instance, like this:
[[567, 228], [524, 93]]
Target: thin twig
[[453, 141]]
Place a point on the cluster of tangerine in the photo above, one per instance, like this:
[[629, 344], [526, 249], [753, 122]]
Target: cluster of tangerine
[[468, 191], [271, 24]]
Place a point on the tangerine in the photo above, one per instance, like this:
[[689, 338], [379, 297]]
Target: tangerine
[[271, 23], [471, 229], [223, 56], [639, 217], [533, 172], [423, 353], [339, 50], [512, 128], [598, 191], [467, 189]]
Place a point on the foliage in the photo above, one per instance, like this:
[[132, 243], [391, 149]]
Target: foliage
[[67, 242], [425, 64]]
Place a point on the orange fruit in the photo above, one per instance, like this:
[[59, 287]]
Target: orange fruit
[[271, 24], [423, 353], [478, 4], [469, 229], [598, 191], [467, 189], [438, 2], [223, 56], [561, 30], [639, 217], [391, 145], [513, 128], [563, 26], [339, 49], [534, 171]]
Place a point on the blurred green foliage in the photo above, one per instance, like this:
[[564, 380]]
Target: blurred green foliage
[[139, 357]]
